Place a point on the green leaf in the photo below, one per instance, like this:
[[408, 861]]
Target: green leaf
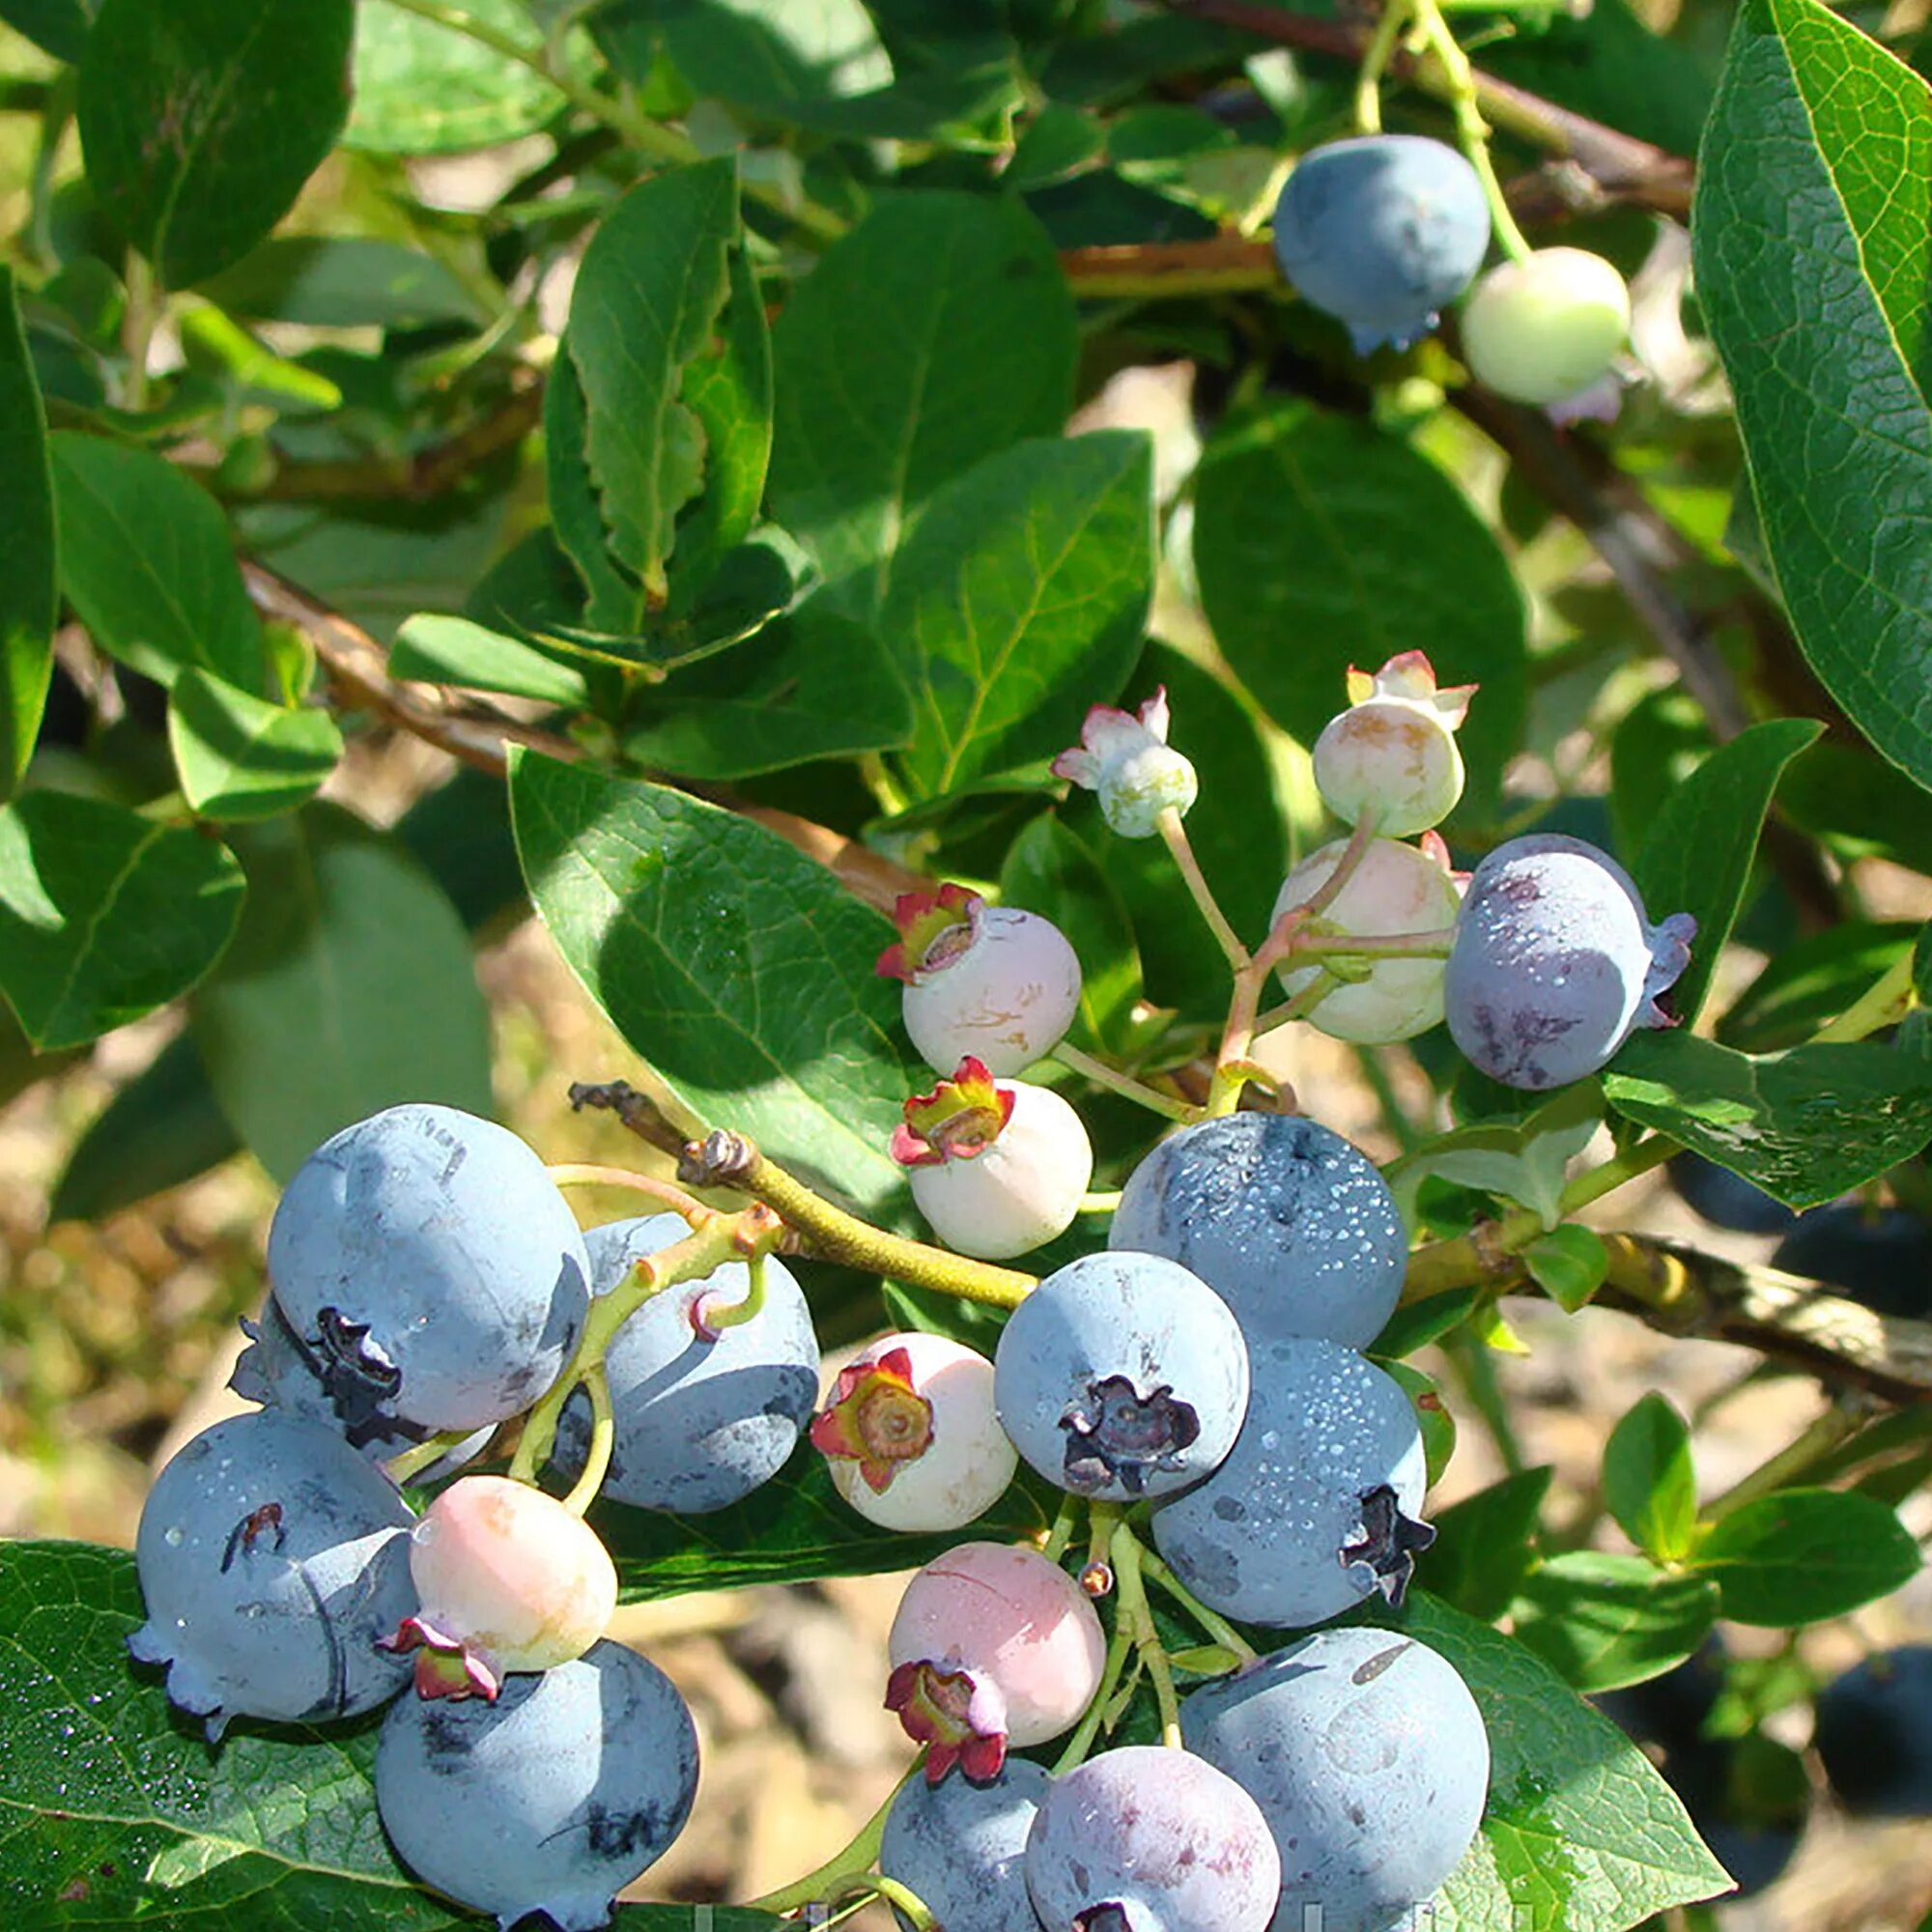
[[452, 650], [1486, 1543], [653, 281], [1805, 1126], [58, 27], [1017, 602], [1857, 806], [104, 914], [347, 281], [424, 89], [349, 988], [113, 1812], [29, 585], [1581, 1833], [1812, 257], [1812, 981], [1417, 1323], [1804, 1556], [163, 1127], [1323, 529], [873, 419], [741, 971], [241, 756], [201, 124], [1650, 1484], [789, 1530], [1432, 1414], [1607, 1621], [1698, 856], [1049, 872], [147, 564], [1569, 1265], [809, 686]]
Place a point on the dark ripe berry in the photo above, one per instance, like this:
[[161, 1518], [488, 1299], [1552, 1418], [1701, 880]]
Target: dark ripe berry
[[960, 1848], [1875, 1734], [272, 1558], [1880, 1258]]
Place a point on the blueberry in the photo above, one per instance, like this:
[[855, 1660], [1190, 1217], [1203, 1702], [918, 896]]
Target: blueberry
[[1669, 1710], [551, 1798], [1753, 1847], [428, 1261], [1555, 963], [1314, 1509], [1544, 329], [1150, 1839], [1882, 1259], [1369, 1762], [272, 1558], [699, 1424], [1292, 1226], [1727, 1199], [960, 1848], [1380, 231], [1121, 1375], [1875, 1734]]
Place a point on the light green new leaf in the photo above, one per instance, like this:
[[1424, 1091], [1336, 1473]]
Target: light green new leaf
[[115, 1813], [1802, 1555], [29, 588], [426, 88], [740, 970], [104, 914], [1698, 856], [653, 281], [452, 650], [201, 121], [1810, 225], [239, 757], [1650, 1485], [1018, 602], [1605, 1621], [1804, 1125], [1322, 542], [147, 562], [351, 988], [937, 332]]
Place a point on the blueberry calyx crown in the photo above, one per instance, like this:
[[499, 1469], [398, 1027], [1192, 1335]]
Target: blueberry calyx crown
[[935, 929], [959, 1716], [1389, 1543], [356, 1374], [960, 1120], [445, 1666], [875, 1418], [1116, 1433]]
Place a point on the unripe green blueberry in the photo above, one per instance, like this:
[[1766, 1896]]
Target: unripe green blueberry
[[1392, 755], [1538, 330]]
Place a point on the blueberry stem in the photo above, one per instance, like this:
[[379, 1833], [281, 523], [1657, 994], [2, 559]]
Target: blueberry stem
[[1136, 1615], [433, 1448], [634, 129], [1119, 1648], [862, 1888], [1434, 943], [711, 1317], [1375, 57], [1102, 1202], [603, 1435], [1060, 1534], [1879, 1007], [859, 1856], [1096, 1576], [1213, 1622], [1472, 131], [1123, 1083], [1173, 834], [582, 1173]]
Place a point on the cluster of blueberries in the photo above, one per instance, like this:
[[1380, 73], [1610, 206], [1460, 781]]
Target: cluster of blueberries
[[1206, 1371], [1385, 231]]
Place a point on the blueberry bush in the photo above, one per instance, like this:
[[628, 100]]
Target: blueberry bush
[[995, 574]]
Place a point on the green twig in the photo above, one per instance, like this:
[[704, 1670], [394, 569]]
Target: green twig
[[1793, 1462], [1213, 1622], [1880, 1007], [1173, 834], [1137, 1615], [1472, 131], [1375, 58], [1123, 1083], [858, 1857], [603, 1439]]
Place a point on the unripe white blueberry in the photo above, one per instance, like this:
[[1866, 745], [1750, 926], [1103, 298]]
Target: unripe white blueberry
[[1124, 758], [1396, 888], [508, 1579], [1393, 752], [910, 1436], [1540, 331], [993, 981], [1021, 1189]]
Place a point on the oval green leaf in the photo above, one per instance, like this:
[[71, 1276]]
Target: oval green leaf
[[239, 757], [1804, 1556], [422, 88]]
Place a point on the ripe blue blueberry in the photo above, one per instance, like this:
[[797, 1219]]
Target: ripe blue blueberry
[[1555, 962], [1380, 231], [1315, 1508], [1727, 1199], [272, 1558], [960, 1848], [1369, 1762], [425, 1259], [551, 1798], [700, 1423], [1292, 1226], [1882, 1259], [1875, 1734], [1148, 1839], [1121, 1375]]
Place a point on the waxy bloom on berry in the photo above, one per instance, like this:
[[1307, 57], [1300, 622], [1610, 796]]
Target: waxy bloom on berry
[[1124, 757], [1392, 755]]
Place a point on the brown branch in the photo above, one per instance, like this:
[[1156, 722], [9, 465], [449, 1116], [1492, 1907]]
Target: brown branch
[[1620, 164]]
